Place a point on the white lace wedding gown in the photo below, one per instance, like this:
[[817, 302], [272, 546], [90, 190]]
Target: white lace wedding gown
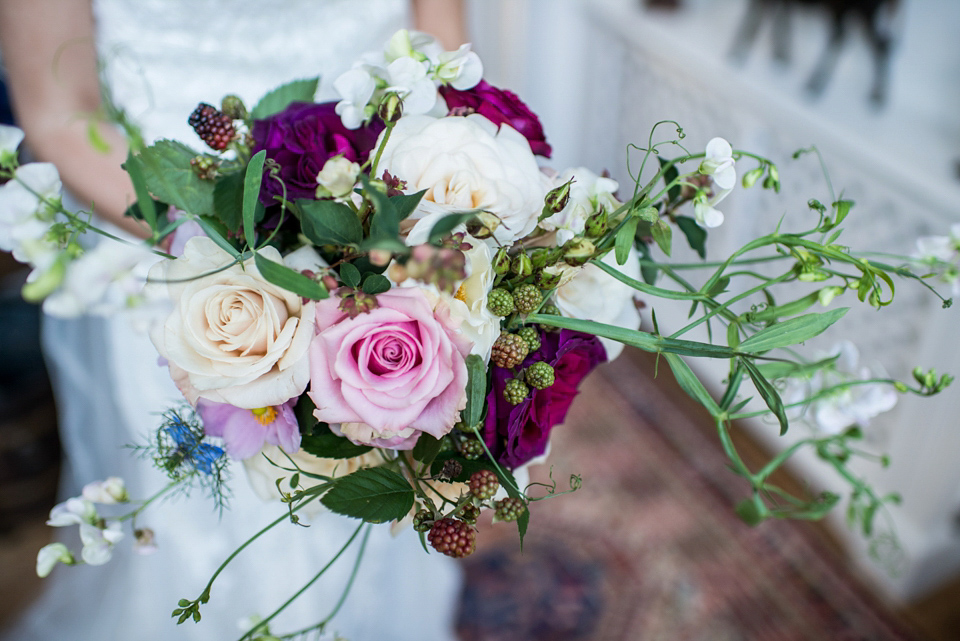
[[161, 58]]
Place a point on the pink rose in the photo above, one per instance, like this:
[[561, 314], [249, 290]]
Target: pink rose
[[389, 374]]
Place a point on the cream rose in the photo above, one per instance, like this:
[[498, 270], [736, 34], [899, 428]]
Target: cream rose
[[232, 337], [466, 163]]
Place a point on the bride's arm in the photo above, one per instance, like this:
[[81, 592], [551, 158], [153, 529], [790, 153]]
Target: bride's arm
[[443, 19], [50, 57]]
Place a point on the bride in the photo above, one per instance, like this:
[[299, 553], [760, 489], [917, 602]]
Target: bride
[[158, 59]]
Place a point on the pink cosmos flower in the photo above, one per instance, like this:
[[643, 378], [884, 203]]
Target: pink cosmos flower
[[389, 374], [244, 431]]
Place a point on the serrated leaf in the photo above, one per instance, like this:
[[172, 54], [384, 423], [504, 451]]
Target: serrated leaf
[[476, 390], [350, 275], [375, 495], [289, 279], [768, 393], [326, 222], [663, 235], [695, 234], [281, 97], [624, 240], [445, 226], [228, 200], [375, 284], [251, 195], [165, 167], [791, 331], [325, 444], [427, 448]]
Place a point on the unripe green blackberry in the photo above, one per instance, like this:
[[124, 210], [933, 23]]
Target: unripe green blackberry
[[531, 337], [553, 310], [469, 513], [515, 390], [233, 107], [509, 509], [484, 484], [471, 449], [500, 302], [540, 375], [521, 265], [527, 298], [212, 125], [453, 538], [204, 167], [508, 350], [423, 521]]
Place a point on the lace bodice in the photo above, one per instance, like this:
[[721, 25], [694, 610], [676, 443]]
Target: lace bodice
[[161, 57]]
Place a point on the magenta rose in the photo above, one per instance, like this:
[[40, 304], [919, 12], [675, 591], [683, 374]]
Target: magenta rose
[[301, 138], [499, 106], [389, 374], [516, 434]]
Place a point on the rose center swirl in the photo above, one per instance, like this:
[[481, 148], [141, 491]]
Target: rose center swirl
[[392, 350]]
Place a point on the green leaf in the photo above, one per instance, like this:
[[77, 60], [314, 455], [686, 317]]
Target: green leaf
[[289, 279], [166, 171], [325, 444], [281, 97], [303, 410], [445, 226], [427, 448], [326, 222], [768, 393], [696, 235], [228, 200], [843, 208], [719, 286], [791, 332], [624, 240], [669, 176], [145, 203], [648, 269], [217, 233], [405, 204], [251, 195], [476, 390], [376, 284], [663, 234], [350, 275], [373, 494], [691, 384]]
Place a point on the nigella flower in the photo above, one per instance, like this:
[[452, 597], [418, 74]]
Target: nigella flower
[[181, 448], [245, 431]]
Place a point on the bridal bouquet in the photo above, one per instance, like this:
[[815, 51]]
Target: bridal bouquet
[[386, 304]]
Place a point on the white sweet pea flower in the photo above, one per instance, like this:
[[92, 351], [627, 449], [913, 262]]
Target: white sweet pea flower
[[356, 88], [24, 215], [589, 193], [843, 408], [461, 69], [592, 294], [942, 255], [400, 45], [719, 164], [338, 176], [408, 78], [10, 139], [50, 555], [98, 542], [706, 214], [75, 511], [111, 490]]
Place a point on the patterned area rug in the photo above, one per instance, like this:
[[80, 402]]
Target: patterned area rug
[[650, 548]]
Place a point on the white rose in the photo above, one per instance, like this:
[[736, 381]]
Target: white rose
[[338, 176], [232, 337], [466, 163], [595, 295]]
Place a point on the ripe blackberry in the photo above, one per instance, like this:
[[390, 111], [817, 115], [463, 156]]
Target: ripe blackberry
[[212, 125], [508, 350], [483, 484], [453, 538], [500, 302], [527, 298], [540, 375], [471, 449], [531, 337], [509, 509], [515, 391]]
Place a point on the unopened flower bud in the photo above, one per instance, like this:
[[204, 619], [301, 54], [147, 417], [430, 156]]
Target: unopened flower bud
[[112, 490], [521, 265], [50, 555], [337, 177], [500, 262], [547, 278], [556, 200], [483, 225], [380, 257], [233, 107], [539, 257], [751, 177], [596, 224], [391, 108], [578, 251]]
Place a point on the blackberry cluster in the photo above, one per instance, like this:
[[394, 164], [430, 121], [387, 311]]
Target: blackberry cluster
[[531, 336], [541, 375], [453, 538], [527, 298], [508, 350], [422, 521], [515, 390], [469, 513], [484, 484], [212, 125], [500, 302], [509, 509], [471, 449]]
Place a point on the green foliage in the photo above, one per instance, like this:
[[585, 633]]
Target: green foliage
[[445, 226], [476, 391], [325, 444], [166, 172], [289, 279], [792, 331], [228, 200], [327, 222], [251, 196], [281, 97], [695, 234], [375, 494]]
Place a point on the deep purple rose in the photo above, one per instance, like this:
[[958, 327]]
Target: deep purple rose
[[300, 139], [516, 434], [499, 106]]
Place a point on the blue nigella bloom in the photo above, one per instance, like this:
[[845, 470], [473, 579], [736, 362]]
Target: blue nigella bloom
[[185, 447]]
